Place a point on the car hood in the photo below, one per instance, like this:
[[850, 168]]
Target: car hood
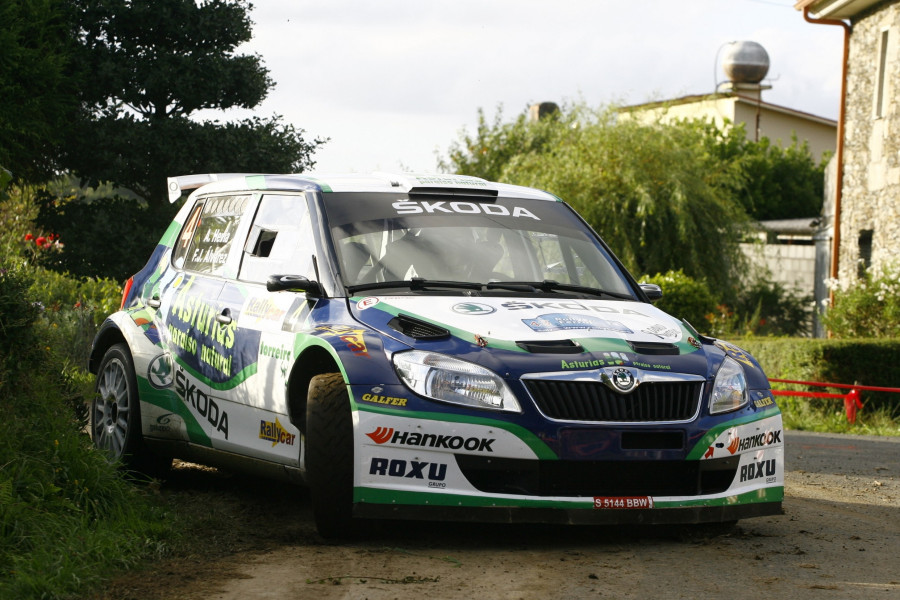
[[505, 322]]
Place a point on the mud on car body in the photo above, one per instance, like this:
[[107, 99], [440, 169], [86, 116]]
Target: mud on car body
[[434, 347]]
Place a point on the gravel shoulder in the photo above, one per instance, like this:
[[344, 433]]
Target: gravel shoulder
[[839, 537]]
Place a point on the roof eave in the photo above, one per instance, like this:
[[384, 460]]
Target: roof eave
[[834, 9]]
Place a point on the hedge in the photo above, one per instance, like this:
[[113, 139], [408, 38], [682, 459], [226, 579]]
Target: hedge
[[873, 362]]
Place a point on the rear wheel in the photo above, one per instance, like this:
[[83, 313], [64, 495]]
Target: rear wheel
[[329, 455], [116, 415]]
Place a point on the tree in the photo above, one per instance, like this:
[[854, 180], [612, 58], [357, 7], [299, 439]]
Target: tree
[[770, 181], [148, 67], [653, 192], [36, 83], [494, 145]]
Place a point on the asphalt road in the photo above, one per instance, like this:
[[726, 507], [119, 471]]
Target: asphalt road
[[839, 538], [838, 454]]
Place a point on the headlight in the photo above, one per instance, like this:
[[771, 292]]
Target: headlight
[[730, 388], [452, 380]]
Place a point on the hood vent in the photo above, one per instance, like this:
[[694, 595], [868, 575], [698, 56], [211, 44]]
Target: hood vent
[[417, 329], [551, 347], [654, 348]]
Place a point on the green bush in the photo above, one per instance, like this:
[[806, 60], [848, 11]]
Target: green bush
[[765, 307], [18, 313], [865, 362], [868, 308], [684, 297], [68, 518], [760, 307]]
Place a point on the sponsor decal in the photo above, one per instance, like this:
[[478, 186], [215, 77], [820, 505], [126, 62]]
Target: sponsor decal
[[763, 402], [163, 423], [759, 470], [201, 403], [409, 469], [663, 332], [734, 352], [623, 379], [350, 336], [385, 435], [367, 303], [609, 359], [217, 360], [562, 321], [451, 180], [737, 444], [159, 373], [384, 399], [274, 432], [644, 365], [194, 329], [623, 502], [280, 353], [411, 207], [262, 309], [581, 364], [568, 305], [473, 308]]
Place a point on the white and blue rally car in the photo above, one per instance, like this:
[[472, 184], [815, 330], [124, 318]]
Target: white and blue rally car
[[427, 347]]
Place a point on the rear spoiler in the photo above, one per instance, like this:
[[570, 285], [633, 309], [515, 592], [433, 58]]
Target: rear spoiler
[[189, 182]]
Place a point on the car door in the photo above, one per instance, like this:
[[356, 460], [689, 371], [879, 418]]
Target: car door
[[280, 240], [198, 331]]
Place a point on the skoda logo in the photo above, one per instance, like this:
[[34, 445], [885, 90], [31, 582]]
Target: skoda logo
[[623, 379], [473, 308], [159, 373]]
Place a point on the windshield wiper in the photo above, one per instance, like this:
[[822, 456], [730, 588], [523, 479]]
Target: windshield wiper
[[548, 285], [415, 284]]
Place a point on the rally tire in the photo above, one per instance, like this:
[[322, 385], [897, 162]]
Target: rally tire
[[329, 455], [116, 415]]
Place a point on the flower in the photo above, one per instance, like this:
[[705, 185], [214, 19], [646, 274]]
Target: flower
[[40, 241], [28, 237]]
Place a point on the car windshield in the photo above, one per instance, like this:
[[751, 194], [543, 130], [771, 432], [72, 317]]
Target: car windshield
[[394, 237]]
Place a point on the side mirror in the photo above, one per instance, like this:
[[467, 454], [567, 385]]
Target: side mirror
[[652, 291], [280, 283]]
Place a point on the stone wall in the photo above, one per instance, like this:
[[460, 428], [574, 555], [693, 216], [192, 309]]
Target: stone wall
[[871, 189]]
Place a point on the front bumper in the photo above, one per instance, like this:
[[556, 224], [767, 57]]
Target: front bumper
[[449, 508], [414, 465]]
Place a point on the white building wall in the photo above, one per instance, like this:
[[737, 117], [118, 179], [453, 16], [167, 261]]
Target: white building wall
[[793, 266]]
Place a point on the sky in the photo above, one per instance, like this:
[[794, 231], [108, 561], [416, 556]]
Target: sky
[[394, 83]]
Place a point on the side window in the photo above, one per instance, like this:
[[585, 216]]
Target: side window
[[184, 240], [280, 241], [207, 236]]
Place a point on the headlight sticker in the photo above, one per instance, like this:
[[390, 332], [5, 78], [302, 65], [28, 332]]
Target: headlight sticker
[[353, 338], [734, 352]]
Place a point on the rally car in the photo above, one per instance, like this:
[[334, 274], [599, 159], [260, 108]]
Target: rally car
[[427, 347]]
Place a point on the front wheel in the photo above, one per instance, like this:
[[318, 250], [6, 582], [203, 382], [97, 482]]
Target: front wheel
[[329, 455], [116, 414]]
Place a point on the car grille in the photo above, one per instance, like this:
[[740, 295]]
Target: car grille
[[593, 401], [598, 478]]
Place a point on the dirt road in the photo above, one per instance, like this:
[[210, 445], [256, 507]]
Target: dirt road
[[839, 538]]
